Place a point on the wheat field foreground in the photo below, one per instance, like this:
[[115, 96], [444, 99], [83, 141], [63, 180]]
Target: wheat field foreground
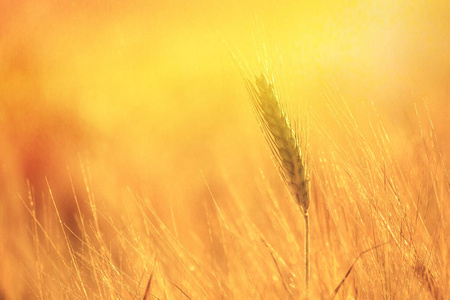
[[224, 150]]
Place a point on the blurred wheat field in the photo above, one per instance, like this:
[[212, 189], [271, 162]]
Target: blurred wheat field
[[132, 165]]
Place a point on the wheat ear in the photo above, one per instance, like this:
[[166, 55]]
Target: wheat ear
[[285, 148]]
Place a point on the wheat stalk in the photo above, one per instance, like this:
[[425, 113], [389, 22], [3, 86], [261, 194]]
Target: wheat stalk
[[285, 148]]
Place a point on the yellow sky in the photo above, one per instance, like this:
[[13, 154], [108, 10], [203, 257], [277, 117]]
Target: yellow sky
[[160, 74]]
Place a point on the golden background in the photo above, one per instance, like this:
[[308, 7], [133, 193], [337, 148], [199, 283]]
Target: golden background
[[145, 96]]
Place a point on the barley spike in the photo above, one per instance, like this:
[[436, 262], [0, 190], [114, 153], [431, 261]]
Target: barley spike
[[281, 138]]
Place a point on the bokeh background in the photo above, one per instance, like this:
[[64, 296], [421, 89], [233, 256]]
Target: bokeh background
[[146, 95]]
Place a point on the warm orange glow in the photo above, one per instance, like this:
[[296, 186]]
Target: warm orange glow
[[144, 99]]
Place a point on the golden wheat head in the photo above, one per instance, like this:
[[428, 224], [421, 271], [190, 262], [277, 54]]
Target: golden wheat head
[[281, 138]]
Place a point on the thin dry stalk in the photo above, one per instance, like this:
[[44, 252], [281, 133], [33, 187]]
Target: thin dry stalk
[[148, 289], [336, 290], [285, 148]]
